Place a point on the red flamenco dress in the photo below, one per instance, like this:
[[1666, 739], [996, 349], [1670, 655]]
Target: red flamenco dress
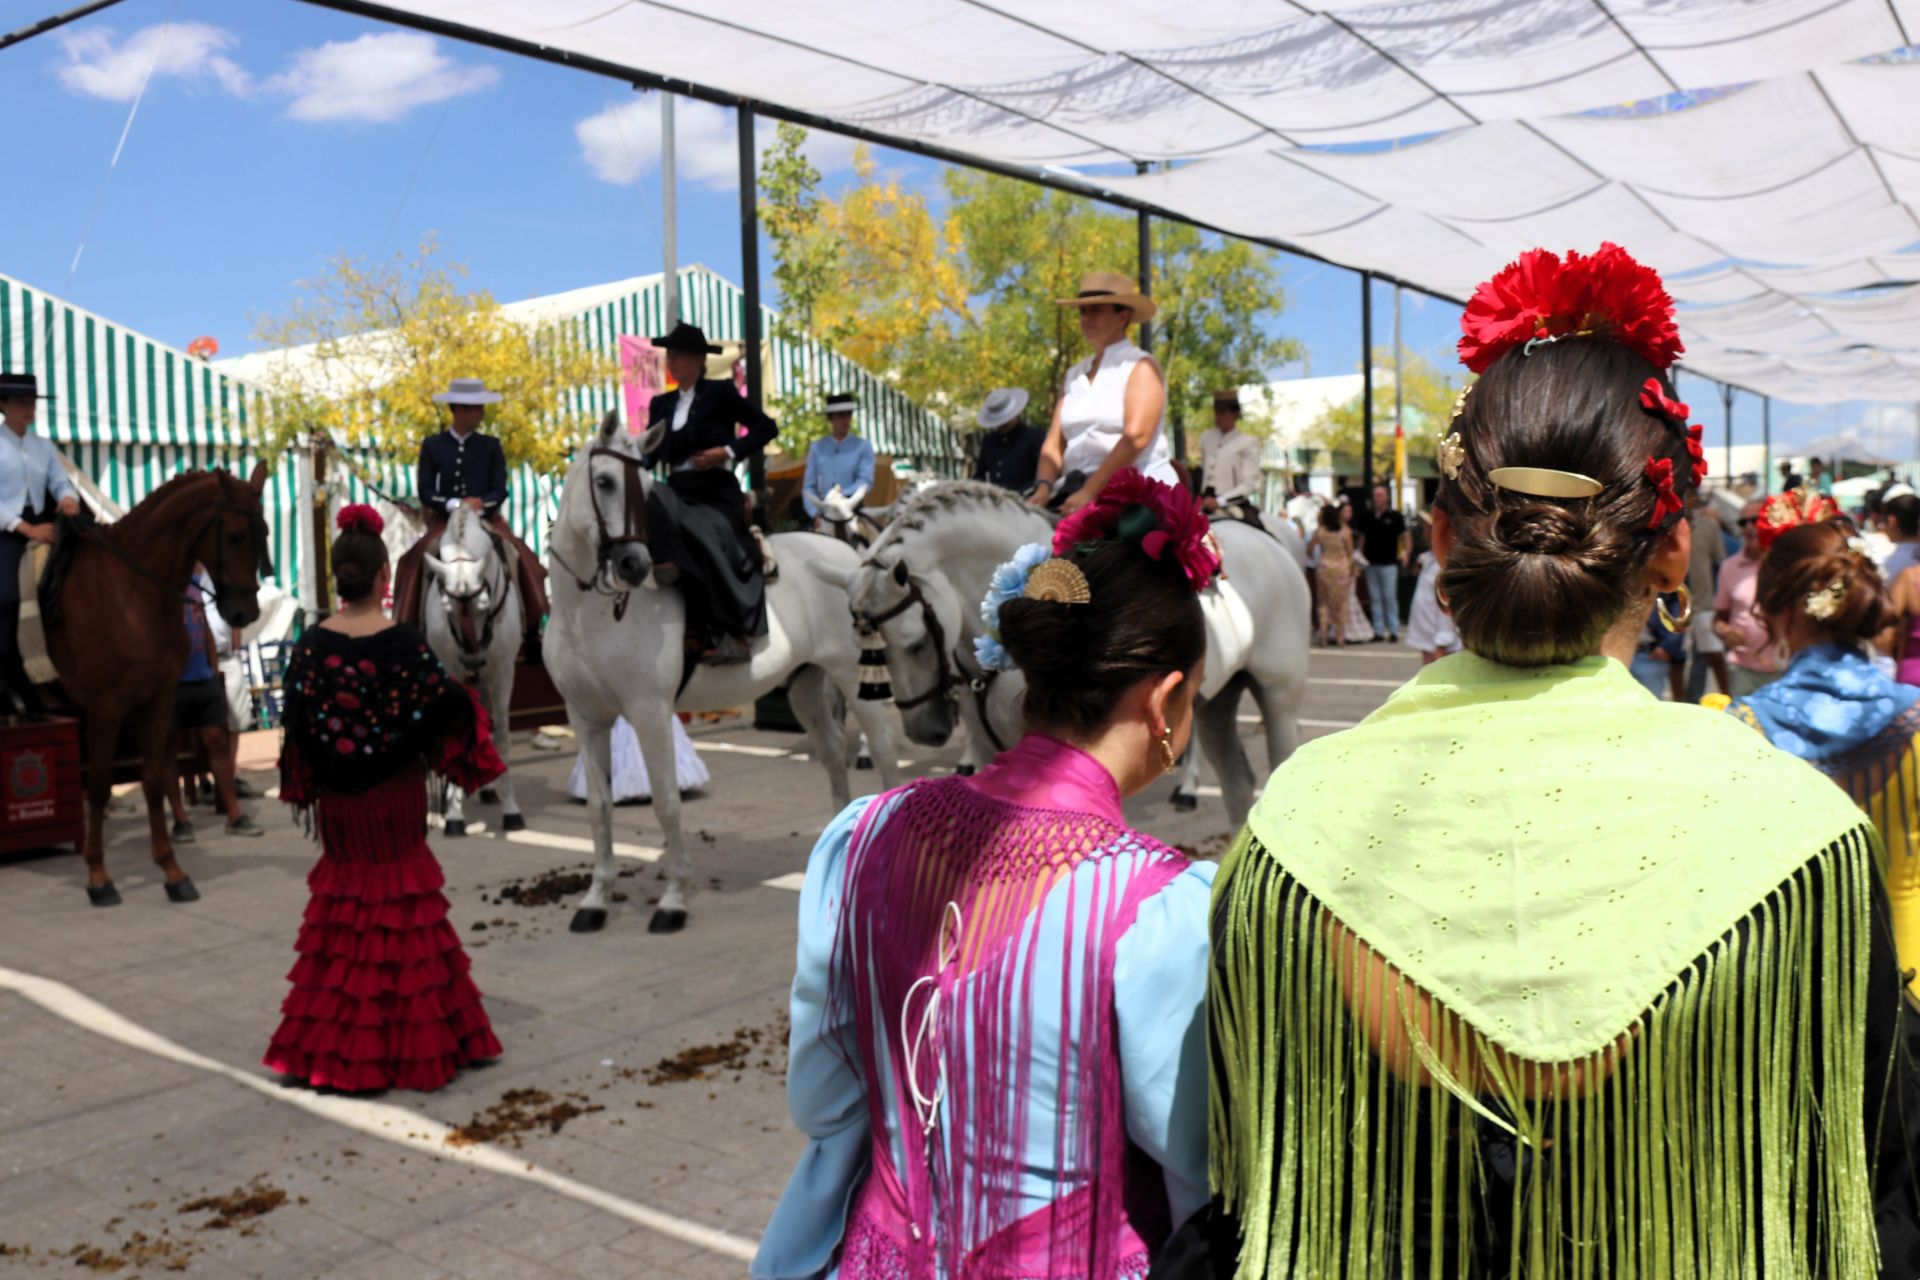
[[381, 998]]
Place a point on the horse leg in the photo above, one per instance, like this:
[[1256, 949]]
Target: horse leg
[[653, 725], [456, 811], [811, 695], [510, 816], [156, 780], [596, 748], [863, 752], [103, 733], [1280, 717], [1217, 722]]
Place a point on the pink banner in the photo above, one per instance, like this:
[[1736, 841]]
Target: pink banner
[[641, 379]]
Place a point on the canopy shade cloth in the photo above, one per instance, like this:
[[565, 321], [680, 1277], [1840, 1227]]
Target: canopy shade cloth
[[1762, 154]]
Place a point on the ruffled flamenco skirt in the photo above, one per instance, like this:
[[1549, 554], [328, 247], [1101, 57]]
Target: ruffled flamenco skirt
[[381, 998], [630, 781]]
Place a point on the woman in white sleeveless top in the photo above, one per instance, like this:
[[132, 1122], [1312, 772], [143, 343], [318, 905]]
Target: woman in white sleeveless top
[[1112, 412]]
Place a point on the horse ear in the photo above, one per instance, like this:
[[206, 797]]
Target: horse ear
[[433, 566], [258, 480], [609, 425], [900, 574]]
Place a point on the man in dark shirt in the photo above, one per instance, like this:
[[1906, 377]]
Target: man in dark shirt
[[200, 710], [1010, 449], [1385, 544]]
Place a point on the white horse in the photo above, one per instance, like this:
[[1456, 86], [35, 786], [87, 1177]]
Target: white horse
[[616, 645], [472, 617], [923, 581]]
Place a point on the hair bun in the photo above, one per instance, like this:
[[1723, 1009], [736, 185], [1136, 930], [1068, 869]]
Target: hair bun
[[358, 517], [1542, 529]]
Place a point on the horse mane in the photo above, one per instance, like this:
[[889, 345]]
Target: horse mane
[[950, 496], [167, 492]]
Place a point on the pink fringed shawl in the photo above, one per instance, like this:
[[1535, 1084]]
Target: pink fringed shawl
[[935, 962]]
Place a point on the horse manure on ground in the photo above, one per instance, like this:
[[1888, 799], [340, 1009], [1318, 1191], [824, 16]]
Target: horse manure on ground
[[519, 1112], [237, 1206], [761, 1047], [548, 889]]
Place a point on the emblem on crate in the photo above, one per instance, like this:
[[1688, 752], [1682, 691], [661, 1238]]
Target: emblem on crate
[[28, 776]]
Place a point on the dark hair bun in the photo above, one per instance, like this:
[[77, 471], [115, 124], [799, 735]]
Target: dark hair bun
[[1817, 560], [358, 557], [1143, 620]]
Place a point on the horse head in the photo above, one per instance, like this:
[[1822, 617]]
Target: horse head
[[232, 543], [918, 613], [601, 531], [473, 584]]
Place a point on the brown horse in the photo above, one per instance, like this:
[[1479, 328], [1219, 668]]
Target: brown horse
[[118, 636]]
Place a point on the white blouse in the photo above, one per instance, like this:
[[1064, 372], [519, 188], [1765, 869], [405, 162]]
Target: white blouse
[[1093, 412]]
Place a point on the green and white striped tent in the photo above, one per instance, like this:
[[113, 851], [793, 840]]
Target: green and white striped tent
[[130, 412]]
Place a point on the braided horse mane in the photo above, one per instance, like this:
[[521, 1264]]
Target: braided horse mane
[[952, 497]]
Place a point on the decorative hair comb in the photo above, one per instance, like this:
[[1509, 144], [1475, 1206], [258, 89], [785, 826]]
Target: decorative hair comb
[[1059, 581]]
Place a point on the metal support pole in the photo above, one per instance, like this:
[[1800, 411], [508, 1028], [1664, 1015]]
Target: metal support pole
[[322, 563], [58, 20], [750, 285], [669, 222], [1399, 402], [1366, 379], [1726, 404], [1766, 445]]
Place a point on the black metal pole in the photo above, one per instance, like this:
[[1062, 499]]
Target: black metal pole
[[1366, 380], [750, 286], [1766, 444], [1726, 405], [58, 20]]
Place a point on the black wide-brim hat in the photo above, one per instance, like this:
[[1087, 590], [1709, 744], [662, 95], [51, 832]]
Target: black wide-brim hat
[[686, 337], [15, 385]]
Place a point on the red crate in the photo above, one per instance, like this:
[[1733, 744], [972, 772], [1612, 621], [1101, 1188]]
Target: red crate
[[40, 787]]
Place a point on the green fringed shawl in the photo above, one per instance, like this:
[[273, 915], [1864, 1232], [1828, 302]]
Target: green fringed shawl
[[1605, 922]]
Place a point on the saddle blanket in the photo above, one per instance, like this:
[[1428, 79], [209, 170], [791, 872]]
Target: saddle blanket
[[1229, 634]]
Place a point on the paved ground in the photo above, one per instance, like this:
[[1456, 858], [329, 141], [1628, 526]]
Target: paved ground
[[130, 1038]]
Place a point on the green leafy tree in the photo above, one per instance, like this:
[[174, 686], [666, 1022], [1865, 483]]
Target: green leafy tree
[[1427, 396], [365, 348], [805, 261]]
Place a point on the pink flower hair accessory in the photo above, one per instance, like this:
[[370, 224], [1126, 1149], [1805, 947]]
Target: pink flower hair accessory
[[1170, 523]]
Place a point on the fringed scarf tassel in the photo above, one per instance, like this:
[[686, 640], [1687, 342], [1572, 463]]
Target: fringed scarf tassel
[[1719, 1136]]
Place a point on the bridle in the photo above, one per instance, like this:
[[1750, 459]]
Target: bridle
[[475, 659], [633, 525], [954, 678], [256, 534]]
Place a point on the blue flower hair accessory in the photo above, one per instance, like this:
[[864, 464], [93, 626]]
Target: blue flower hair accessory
[[1009, 583]]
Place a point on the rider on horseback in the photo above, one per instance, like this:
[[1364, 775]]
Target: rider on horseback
[[700, 523], [462, 467], [1230, 466], [840, 461], [31, 482]]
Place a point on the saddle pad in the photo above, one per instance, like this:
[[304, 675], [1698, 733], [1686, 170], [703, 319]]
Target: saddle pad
[[1229, 634], [33, 633]]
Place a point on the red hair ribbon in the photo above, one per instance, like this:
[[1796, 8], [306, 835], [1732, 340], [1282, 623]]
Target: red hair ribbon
[[1654, 399], [1541, 297], [358, 516], [1659, 473]]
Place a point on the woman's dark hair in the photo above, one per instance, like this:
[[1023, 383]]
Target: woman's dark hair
[[1143, 621], [1533, 581], [1813, 558], [1905, 512], [1330, 518], [358, 557]]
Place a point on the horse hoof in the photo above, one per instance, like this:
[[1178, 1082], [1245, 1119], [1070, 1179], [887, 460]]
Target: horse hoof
[[665, 921], [489, 796], [182, 891], [513, 822], [103, 895], [1184, 803], [864, 764], [964, 771], [588, 920], [456, 826]]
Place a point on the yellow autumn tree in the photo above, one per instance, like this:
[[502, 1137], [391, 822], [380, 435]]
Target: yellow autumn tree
[[366, 346]]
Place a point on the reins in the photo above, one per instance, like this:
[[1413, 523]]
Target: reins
[[633, 527], [954, 676]]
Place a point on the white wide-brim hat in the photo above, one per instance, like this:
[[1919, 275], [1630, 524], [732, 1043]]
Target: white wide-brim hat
[[1002, 406], [467, 391]]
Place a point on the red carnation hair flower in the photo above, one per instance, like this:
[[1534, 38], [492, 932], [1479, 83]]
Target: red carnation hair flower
[[1795, 507], [359, 516], [1604, 295], [1181, 529]]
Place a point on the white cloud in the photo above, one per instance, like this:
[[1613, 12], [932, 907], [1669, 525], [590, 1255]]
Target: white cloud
[[374, 79], [100, 67], [622, 142]]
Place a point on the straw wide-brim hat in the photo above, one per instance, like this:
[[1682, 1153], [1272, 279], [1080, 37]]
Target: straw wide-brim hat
[[1111, 286]]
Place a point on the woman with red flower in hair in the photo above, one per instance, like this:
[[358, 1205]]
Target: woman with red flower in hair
[[381, 998], [1588, 984]]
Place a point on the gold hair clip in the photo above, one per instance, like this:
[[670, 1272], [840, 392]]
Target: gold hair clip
[[1460, 403], [1542, 482], [1824, 603], [1059, 581], [1451, 453]]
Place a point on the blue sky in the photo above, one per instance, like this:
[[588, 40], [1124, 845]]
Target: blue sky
[[272, 135]]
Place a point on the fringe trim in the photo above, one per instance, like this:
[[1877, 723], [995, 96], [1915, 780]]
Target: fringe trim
[[1721, 1136]]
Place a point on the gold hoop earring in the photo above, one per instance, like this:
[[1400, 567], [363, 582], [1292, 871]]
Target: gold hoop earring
[[1168, 759], [1440, 598], [1667, 620]]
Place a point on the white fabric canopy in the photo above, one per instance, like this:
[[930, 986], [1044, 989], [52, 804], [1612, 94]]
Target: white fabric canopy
[[1763, 154]]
